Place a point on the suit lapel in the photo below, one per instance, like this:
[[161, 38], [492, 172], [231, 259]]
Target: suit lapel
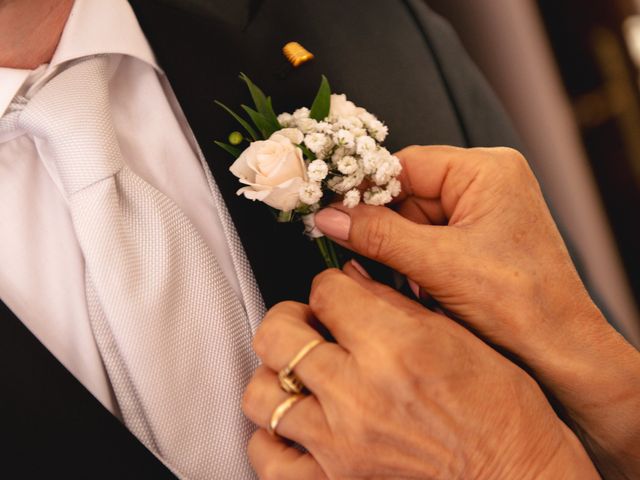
[[283, 260], [203, 54], [52, 427]]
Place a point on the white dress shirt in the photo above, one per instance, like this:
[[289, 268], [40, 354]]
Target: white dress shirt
[[41, 264]]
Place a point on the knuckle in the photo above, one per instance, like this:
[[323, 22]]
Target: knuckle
[[270, 327], [322, 288], [379, 237], [250, 399], [511, 158], [270, 471]]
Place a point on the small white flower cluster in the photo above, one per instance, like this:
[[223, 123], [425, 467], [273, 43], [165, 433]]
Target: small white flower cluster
[[350, 159]]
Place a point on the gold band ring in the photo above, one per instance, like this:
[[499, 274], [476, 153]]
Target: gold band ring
[[289, 382], [280, 412]]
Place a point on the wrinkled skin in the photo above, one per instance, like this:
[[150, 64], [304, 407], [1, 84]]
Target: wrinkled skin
[[405, 393], [473, 231]]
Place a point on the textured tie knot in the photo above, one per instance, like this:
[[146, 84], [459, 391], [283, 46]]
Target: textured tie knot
[[72, 114]]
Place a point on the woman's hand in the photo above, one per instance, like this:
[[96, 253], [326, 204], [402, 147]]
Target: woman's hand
[[405, 393], [472, 229]]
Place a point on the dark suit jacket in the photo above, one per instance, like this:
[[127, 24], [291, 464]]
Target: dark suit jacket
[[394, 57]]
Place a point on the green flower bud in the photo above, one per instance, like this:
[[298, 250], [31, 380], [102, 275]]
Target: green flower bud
[[235, 138]]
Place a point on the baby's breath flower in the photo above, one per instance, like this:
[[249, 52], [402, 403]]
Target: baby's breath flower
[[351, 198], [388, 167], [347, 165], [285, 120], [371, 161], [317, 170], [324, 127], [306, 125], [310, 193], [342, 185], [380, 132], [365, 144], [301, 113], [344, 138], [376, 196], [318, 143], [394, 187]]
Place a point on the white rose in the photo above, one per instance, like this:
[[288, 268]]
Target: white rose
[[273, 171]]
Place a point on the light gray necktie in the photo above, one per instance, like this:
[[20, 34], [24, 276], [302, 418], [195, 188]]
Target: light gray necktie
[[174, 337]]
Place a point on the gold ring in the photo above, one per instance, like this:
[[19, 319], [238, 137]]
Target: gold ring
[[289, 382], [281, 410]]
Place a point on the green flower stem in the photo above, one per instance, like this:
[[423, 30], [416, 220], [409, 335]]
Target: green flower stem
[[328, 252]]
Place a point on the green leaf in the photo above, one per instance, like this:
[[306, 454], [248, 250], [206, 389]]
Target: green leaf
[[262, 103], [240, 120], [266, 129], [259, 98], [271, 115], [322, 103], [229, 148], [308, 153]]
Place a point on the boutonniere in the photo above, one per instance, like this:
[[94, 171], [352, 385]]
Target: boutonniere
[[297, 163]]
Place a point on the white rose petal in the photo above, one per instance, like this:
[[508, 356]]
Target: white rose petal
[[317, 170], [310, 193], [351, 198], [273, 171], [293, 134]]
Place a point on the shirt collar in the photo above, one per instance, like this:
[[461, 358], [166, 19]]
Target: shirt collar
[[94, 27], [11, 79]]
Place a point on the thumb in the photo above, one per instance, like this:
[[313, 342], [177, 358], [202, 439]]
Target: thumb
[[383, 235]]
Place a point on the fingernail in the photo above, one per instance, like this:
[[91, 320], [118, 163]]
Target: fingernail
[[415, 288], [360, 269], [334, 223]]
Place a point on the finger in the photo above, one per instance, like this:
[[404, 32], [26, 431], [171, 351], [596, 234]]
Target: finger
[[355, 270], [384, 291], [359, 313], [387, 237], [440, 173], [272, 458], [303, 423], [284, 331]]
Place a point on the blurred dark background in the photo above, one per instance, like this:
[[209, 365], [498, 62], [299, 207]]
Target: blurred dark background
[[568, 73]]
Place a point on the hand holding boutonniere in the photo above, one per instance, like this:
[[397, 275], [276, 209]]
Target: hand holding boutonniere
[[298, 162]]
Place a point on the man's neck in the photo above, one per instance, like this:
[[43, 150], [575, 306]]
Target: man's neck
[[30, 31]]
